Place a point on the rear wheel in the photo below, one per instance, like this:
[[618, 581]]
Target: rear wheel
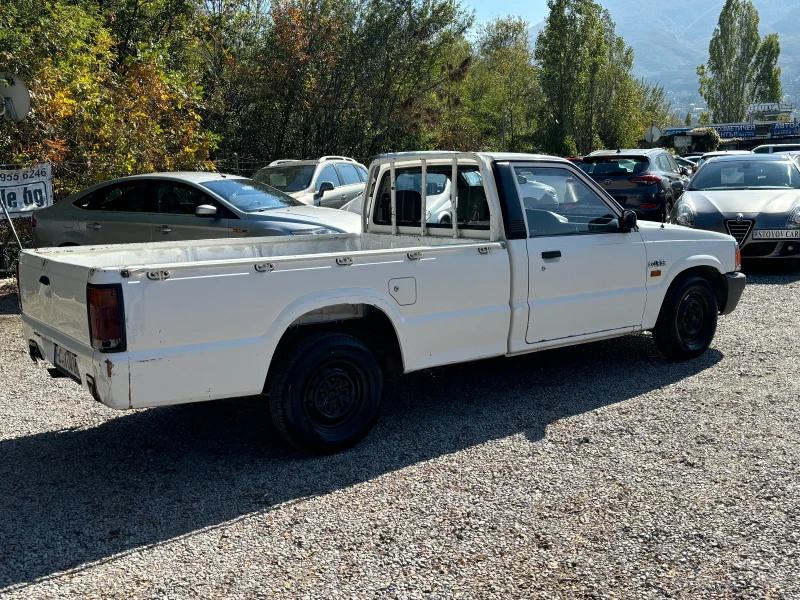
[[325, 394], [688, 319]]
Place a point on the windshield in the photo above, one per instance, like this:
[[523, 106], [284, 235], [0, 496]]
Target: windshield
[[250, 196], [746, 175], [614, 165], [286, 178]]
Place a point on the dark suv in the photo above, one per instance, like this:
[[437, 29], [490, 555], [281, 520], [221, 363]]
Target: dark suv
[[648, 182]]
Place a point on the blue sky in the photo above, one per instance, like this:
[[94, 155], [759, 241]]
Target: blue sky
[[532, 11]]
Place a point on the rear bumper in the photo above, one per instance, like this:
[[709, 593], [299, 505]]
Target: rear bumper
[[734, 288], [634, 202], [105, 376]]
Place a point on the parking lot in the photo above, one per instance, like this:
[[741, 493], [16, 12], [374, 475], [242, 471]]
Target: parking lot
[[598, 471]]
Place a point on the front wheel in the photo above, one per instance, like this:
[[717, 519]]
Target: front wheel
[[667, 210], [688, 319], [325, 394]]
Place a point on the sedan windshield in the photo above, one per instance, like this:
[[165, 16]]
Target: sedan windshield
[[746, 175], [286, 178], [250, 196]]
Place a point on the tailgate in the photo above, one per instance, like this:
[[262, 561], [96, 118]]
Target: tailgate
[[54, 294]]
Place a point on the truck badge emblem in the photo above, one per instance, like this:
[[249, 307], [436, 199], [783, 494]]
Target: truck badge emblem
[[739, 217], [657, 263], [606, 182]]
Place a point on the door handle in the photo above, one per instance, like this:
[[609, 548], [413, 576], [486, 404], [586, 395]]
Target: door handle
[[343, 196], [551, 254], [164, 229], [94, 226]]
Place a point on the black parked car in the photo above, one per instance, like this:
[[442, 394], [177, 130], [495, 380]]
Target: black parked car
[[648, 182]]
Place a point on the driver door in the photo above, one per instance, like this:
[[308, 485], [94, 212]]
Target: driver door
[[176, 220], [334, 198], [585, 276]]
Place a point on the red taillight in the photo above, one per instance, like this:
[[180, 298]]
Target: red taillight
[[646, 179], [651, 205], [33, 220], [738, 258], [106, 317]]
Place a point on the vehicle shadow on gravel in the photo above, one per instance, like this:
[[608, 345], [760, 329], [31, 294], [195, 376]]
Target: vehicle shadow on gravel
[[77, 496], [9, 304], [767, 272]]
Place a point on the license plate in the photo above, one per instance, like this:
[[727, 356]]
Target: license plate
[[776, 234], [67, 362]]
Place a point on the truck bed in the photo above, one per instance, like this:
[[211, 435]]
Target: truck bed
[[203, 318]]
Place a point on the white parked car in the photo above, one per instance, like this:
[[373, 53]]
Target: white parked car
[[331, 181], [316, 323]]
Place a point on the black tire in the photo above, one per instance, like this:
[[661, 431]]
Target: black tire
[[688, 319], [668, 210], [325, 394]]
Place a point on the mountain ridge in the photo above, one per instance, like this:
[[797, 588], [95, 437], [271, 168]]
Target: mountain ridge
[[672, 39]]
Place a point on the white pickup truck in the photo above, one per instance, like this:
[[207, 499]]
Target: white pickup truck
[[536, 255]]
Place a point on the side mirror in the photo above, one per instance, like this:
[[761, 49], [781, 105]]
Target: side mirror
[[325, 186], [205, 210], [628, 222], [685, 171]]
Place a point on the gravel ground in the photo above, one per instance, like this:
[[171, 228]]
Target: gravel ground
[[593, 472]]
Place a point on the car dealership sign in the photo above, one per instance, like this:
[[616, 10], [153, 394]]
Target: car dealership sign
[[726, 132], [24, 190], [770, 107]]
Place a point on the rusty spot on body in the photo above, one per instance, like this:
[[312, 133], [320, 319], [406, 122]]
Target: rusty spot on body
[[109, 367]]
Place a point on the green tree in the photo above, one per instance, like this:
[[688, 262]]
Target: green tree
[[705, 118], [501, 88], [688, 120], [590, 97], [740, 68], [766, 86]]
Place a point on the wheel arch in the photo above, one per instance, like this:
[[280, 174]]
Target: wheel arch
[[706, 266], [379, 327]]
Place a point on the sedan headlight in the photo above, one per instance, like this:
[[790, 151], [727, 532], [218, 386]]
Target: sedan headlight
[[794, 217], [315, 231], [686, 215]]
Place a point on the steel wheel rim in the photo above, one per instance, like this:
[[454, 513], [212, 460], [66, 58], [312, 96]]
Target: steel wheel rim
[[334, 396], [691, 317]]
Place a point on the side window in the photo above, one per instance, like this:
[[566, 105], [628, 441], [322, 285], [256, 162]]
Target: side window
[[328, 173], [557, 203], [362, 173], [673, 165], [663, 163], [349, 174], [178, 199], [472, 208], [135, 196]]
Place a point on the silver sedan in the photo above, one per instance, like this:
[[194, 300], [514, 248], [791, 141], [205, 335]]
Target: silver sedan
[[754, 197], [161, 207]]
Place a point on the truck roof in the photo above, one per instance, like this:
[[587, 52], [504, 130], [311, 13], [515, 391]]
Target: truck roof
[[494, 156]]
